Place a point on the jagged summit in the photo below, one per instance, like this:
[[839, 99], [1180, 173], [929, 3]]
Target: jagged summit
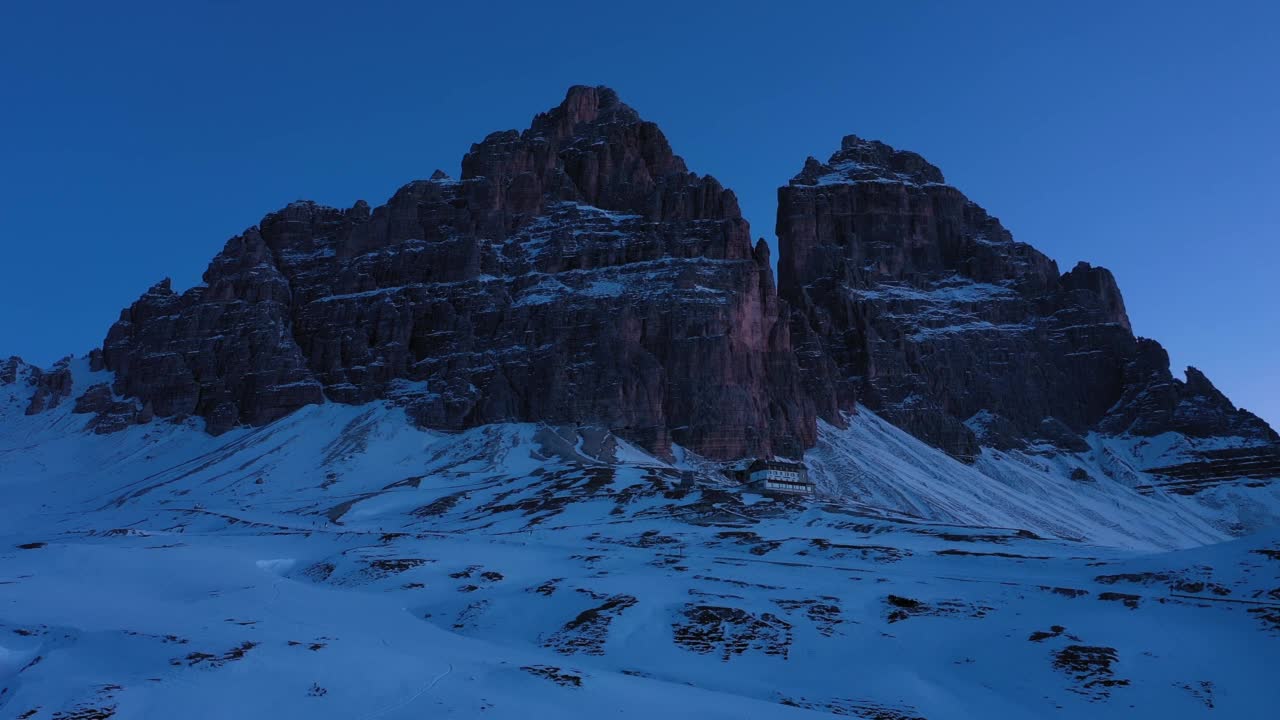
[[1097, 283], [582, 104], [577, 272], [594, 149], [925, 309], [861, 160]]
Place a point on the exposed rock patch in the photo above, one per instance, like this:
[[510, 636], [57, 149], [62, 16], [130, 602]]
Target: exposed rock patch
[[729, 631]]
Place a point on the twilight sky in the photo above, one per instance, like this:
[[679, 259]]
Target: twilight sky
[[136, 137]]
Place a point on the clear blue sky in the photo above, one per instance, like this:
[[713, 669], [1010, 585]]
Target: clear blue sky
[[135, 138]]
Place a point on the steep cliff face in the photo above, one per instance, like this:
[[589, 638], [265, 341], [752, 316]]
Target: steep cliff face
[[930, 313], [576, 272]]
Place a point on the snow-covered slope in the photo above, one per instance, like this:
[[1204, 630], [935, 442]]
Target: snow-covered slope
[[340, 563], [1095, 496]]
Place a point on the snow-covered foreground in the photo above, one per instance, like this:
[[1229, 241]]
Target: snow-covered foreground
[[341, 564]]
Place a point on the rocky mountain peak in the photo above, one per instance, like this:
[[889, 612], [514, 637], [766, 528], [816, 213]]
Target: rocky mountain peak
[[583, 104], [860, 160], [577, 273], [928, 312], [594, 149], [1097, 285], [1198, 383]]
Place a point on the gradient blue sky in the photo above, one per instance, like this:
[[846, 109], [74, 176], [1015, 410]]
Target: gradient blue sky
[[135, 138]]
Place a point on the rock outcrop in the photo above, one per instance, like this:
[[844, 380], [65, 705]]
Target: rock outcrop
[[9, 370], [50, 386], [925, 309], [110, 414], [577, 272]]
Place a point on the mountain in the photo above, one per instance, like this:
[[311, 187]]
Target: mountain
[[577, 272], [926, 309], [473, 452]]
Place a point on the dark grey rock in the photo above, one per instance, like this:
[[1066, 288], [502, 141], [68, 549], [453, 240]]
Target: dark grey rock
[[913, 300], [577, 272]]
